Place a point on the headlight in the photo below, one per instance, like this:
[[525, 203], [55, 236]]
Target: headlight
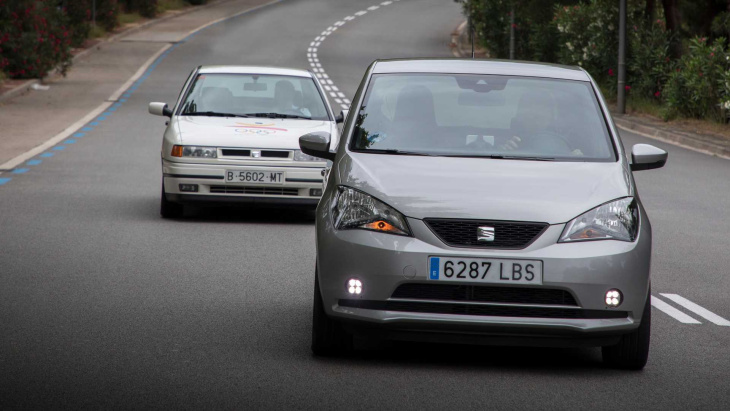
[[615, 220], [194, 151], [354, 209], [299, 156]]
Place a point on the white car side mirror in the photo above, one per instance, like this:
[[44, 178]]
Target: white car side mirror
[[160, 109]]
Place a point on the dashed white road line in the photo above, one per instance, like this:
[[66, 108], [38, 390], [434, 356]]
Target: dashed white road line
[[313, 58], [672, 312], [701, 311]]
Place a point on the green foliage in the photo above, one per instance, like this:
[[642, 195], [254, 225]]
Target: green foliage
[[34, 38], [700, 85], [649, 63], [535, 37]]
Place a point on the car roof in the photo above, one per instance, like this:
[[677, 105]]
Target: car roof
[[280, 71], [481, 66]]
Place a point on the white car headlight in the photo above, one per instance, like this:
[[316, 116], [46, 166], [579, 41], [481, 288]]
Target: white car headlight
[[615, 220], [194, 151], [299, 156], [354, 209]]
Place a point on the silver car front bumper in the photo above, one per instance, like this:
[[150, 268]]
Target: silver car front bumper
[[383, 262]]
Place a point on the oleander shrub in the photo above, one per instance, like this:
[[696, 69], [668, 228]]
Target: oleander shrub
[[79, 15], [107, 14], [699, 86], [649, 63], [34, 38]]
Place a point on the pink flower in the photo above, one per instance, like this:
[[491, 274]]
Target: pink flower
[[610, 72], [627, 88], [657, 94]]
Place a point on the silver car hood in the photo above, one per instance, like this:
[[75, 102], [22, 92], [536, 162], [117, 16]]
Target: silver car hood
[[478, 188]]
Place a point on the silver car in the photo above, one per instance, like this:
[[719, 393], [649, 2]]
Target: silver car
[[484, 202]]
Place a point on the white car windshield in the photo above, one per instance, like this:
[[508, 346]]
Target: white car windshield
[[254, 95], [482, 116]]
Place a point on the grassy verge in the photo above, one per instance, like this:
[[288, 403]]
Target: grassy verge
[[97, 31], [128, 18], [166, 5]]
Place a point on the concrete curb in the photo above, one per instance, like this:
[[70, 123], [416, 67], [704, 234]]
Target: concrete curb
[[714, 146], [53, 74]]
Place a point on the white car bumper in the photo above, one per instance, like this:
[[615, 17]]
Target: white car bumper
[[203, 183]]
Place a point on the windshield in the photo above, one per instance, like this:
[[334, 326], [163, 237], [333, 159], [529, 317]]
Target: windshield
[[482, 115], [254, 95]]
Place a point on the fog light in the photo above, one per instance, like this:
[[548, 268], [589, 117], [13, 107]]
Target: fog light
[[354, 286], [189, 188], [315, 192], [613, 298]]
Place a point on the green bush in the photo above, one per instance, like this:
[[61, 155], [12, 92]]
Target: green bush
[[34, 38], [649, 63], [699, 86], [107, 14], [79, 14]]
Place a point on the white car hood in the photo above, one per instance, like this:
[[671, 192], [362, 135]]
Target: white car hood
[[246, 132]]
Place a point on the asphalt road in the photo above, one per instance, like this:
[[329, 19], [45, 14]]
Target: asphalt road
[[105, 305]]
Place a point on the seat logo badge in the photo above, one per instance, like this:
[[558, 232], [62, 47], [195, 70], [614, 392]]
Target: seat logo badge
[[255, 153], [485, 234]]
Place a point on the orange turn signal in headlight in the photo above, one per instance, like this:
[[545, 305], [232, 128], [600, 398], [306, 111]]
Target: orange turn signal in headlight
[[177, 151], [383, 226]]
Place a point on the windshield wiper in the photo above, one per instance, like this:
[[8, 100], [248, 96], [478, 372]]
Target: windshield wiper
[[502, 157], [528, 158], [397, 152], [277, 115], [214, 114]]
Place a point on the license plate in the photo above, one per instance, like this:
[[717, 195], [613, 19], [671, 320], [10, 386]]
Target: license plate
[[255, 177], [487, 270]]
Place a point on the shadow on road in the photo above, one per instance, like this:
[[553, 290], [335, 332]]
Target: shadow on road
[[424, 355], [248, 214]]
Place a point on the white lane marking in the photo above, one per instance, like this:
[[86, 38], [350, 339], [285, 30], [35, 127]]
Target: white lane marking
[[328, 88], [372, 8], [385, 3], [339, 23], [341, 94], [335, 88], [699, 310], [348, 18], [361, 12], [334, 28], [333, 94], [672, 312], [345, 106], [346, 101]]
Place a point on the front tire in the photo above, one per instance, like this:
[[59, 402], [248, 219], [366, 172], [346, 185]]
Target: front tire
[[328, 336], [632, 351], [168, 209]]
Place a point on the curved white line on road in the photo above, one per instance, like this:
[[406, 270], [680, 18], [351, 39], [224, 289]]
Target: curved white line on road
[[313, 57]]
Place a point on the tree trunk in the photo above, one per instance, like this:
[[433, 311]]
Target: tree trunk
[[650, 10], [671, 13]]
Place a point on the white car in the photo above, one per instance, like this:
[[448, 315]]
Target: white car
[[233, 137]]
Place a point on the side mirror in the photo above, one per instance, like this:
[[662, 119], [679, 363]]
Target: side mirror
[[342, 116], [160, 109], [647, 157], [317, 144]]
